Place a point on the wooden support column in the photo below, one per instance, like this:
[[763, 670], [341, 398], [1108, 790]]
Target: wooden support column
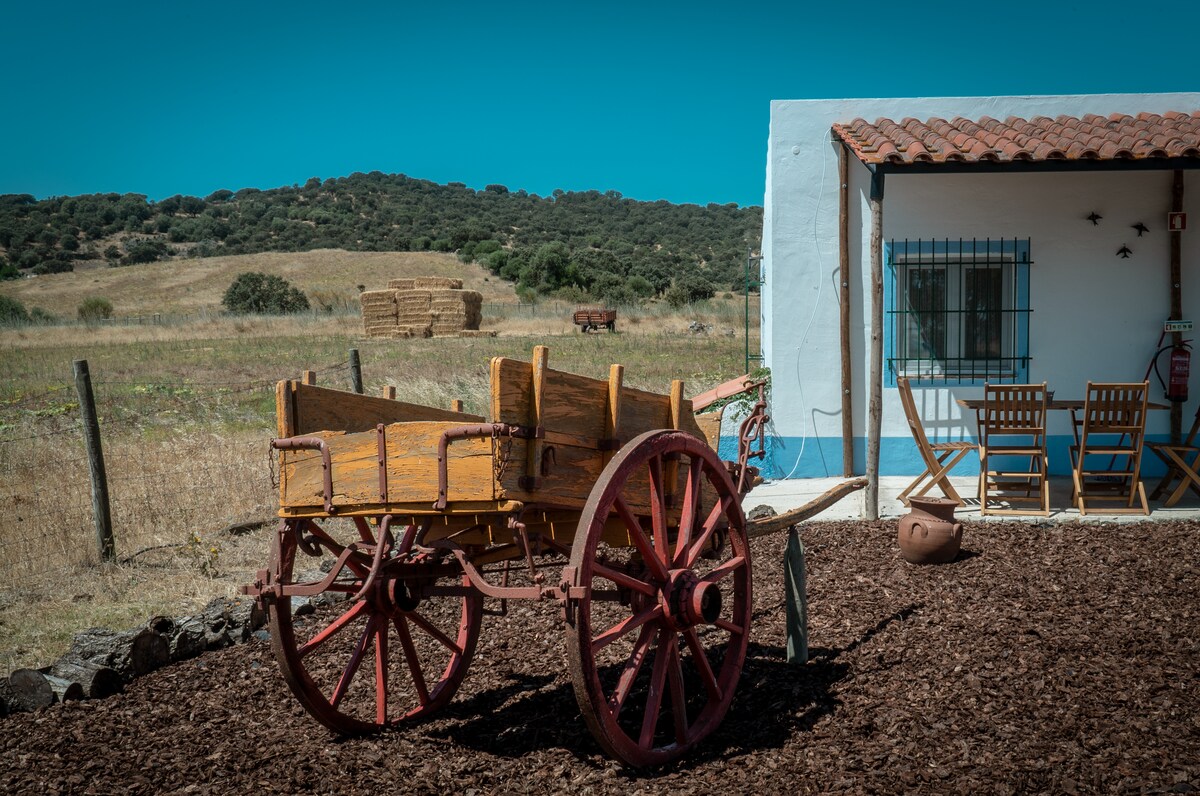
[[1176, 291], [875, 405], [101, 517], [844, 309], [612, 418], [533, 450]]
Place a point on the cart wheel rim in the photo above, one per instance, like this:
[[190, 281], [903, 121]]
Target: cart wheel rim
[[656, 648], [371, 662]]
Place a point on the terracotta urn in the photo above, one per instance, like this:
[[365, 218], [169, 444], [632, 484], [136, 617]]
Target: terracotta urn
[[928, 533]]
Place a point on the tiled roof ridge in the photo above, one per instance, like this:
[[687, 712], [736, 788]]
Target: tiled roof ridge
[[1117, 136]]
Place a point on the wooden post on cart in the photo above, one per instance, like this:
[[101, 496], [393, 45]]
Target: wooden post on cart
[[541, 356], [612, 418]]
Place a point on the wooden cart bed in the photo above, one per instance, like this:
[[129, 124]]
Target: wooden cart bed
[[582, 422]]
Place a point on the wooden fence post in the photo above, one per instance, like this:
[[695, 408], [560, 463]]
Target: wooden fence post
[[91, 437], [355, 371]]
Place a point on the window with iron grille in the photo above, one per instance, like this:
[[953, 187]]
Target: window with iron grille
[[958, 310]]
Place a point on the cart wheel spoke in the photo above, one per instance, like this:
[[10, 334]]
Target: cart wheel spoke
[[691, 508], [658, 682], [339, 691], [622, 579], [403, 598], [428, 627], [629, 673], [695, 587], [678, 693], [621, 628], [381, 672], [658, 510], [643, 545], [334, 627], [414, 662], [725, 624], [711, 523], [700, 658], [724, 570]]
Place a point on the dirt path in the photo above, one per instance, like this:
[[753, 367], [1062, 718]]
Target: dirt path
[[1047, 659]]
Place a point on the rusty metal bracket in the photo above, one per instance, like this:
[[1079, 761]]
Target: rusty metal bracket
[[478, 582], [380, 429], [752, 442], [312, 443], [476, 430], [522, 538]]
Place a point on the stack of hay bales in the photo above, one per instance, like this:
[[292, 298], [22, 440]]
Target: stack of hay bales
[[413, 313], [424, 306], [451, 310], [379, 312]]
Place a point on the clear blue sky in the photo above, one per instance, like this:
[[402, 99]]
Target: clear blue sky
[[657, 100]]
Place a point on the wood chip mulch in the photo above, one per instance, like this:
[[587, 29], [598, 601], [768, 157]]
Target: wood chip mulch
[[1046, 659]]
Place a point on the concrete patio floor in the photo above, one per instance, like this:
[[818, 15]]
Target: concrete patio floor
[[790, 494]]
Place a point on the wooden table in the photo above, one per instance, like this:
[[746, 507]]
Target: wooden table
[[1070, 404]]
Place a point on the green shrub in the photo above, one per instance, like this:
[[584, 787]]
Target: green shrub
[[12, 311], [688, 290], [95, 308], [39, 315], [268, 294]]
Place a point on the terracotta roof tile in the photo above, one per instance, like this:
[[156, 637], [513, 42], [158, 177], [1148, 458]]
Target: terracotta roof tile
[[1174, 134]]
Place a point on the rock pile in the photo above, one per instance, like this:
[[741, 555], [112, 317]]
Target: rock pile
[[424, 306], [100, 661]]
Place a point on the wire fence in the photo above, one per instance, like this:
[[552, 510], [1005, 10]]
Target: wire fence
[[183, 460]]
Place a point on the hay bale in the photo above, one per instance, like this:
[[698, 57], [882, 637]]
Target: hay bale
[[413, 301], [437, 282], [401, 284], [376, 297]]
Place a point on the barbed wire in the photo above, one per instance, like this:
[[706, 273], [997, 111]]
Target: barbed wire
[[77, 426], [338, 366]]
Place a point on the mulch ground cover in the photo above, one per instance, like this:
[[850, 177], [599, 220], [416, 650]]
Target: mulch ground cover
[[1047, 659]]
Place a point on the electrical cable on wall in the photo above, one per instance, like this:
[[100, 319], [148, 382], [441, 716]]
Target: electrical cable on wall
[[825, 142]]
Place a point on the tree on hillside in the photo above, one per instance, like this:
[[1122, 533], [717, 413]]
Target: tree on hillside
[[254, 292]]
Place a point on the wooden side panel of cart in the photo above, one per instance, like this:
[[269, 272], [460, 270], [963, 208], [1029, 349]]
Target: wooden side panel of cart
[[583, 421]]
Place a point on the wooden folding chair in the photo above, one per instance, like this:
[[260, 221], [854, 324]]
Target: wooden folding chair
[[1012, 424], [1181, 460], [1112, 427], [939, 457]]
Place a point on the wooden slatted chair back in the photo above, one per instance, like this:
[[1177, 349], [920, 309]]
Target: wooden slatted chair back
[[1115, 408], [939, 458], [1013, 409], [914, 419]]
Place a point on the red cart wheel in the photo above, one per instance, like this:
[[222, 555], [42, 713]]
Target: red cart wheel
[[658, 640], [392, 652]]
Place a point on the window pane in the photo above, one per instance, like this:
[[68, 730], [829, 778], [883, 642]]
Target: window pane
[[925, 321], [983, 304]]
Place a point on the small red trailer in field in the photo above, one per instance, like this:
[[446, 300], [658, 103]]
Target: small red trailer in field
[[588, 318], [398, 522]]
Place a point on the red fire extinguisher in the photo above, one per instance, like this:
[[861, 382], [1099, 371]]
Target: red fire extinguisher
[[1175, 387]]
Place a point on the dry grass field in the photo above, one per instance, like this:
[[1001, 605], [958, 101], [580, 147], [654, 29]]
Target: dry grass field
[[188, 287], [186, 410]]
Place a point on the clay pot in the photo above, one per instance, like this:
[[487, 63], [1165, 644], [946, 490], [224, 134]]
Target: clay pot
[[928, 533]]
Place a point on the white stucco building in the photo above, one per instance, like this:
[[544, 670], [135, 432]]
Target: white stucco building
[[985, 212]]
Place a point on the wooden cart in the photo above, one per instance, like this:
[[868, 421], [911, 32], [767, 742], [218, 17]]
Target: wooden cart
[[589, 318], [399, 521]]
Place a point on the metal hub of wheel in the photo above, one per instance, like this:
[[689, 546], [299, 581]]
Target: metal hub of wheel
[[657, 641]]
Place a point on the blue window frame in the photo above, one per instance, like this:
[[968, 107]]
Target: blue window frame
[[958, 310]]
